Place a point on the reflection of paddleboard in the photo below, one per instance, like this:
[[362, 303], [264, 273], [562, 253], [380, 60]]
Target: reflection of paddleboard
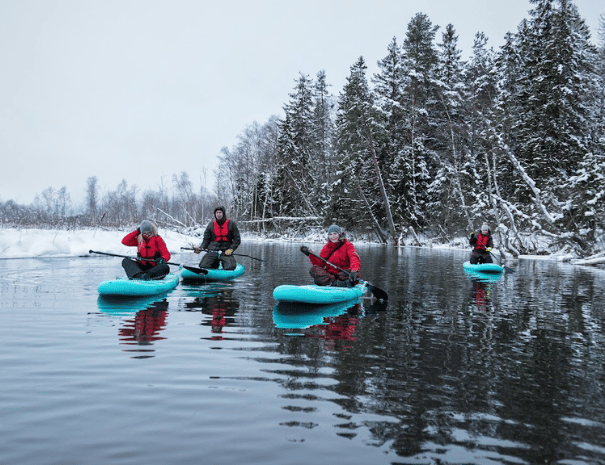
[[217, 274], [313, 294], [138, 287], [290, 315], [119, 306]]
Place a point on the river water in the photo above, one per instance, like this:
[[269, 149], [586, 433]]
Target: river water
[[452, 370]]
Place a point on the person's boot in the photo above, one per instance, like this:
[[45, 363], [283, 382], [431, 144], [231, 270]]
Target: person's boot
[[142, 276]]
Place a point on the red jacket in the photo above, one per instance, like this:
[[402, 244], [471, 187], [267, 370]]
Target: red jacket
[[345, 257], [153, 248]]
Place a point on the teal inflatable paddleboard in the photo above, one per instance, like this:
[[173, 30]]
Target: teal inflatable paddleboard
[[483, 267], [215, 274], [138, 287], [313, 294]]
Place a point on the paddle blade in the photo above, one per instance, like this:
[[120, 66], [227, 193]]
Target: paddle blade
[[196, 270], [376, 291], [379, 293]]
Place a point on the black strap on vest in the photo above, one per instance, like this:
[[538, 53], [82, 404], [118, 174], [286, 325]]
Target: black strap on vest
[[331, 253]]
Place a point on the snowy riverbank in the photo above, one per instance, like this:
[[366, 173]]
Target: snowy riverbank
[[28, 243]]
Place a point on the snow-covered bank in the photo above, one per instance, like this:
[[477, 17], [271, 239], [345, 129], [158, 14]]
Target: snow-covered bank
[[26, 243]]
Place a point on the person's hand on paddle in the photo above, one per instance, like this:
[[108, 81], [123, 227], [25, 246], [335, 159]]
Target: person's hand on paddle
[[353, 277], [228, 252], [304, 249], [489, 249], [159, 260], [197, 249]]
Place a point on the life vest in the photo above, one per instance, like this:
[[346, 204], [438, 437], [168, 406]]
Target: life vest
[[481, 242], [221, 231]]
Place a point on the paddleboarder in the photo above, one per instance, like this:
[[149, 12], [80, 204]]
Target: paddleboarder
[[152, 253], [341, 253], [482, 244], [221, 239]]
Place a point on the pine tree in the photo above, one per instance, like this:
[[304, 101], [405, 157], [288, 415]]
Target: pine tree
[[323, 160], [481, 169], [551, 130], [294, 183], [447, 204], [413, 163], [359, 190]]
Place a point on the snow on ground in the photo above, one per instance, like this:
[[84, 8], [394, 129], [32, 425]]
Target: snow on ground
[[26, 243]]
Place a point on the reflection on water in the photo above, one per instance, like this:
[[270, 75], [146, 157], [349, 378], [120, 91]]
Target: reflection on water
[[220, 305], [149, 320], [146, 326], [481, 294], [331, 323], [453, 369]]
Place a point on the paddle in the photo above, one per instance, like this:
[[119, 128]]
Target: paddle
[[190, 268], [378, 293], [506, 268], [238, 254]]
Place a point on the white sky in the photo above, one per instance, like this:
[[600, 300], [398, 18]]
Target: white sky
[[144, 89]]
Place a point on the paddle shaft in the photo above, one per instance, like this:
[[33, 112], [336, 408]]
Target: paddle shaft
[[238, 254], [378, 293], [506, 268], [190, 268]]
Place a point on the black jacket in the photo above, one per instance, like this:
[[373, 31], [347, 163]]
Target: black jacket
[[210, 242]]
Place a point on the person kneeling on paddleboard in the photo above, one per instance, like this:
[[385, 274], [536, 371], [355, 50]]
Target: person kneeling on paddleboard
[[152, 253], [221, 238], [482, 246], [341, 253]]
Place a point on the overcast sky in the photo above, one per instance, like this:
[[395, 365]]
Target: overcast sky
[[144, 89]]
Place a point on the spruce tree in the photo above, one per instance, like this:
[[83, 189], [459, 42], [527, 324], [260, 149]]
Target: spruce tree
[[447, 203], [294, 183], [359, 195], [414, 163]]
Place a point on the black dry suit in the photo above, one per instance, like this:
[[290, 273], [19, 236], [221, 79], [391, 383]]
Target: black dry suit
[[220, 235]]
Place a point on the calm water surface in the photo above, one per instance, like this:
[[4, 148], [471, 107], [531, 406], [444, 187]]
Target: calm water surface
[[453, 370]]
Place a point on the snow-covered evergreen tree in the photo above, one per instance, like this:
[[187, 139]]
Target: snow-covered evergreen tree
[[359, 197], [294, 183], [322, 163], [546, 104], [447, 204], [481, 168], [415, 163]]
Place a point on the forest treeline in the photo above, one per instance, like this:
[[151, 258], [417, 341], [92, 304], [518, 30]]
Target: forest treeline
[[432, 146], [427, 149]]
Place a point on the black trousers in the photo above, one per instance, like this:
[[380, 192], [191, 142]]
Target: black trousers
[[211, 260], [480, 257], [136, 270]]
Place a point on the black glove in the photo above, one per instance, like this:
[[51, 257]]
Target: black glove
[[353, 276], [159, 261], [471, 235], [304, 249]]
